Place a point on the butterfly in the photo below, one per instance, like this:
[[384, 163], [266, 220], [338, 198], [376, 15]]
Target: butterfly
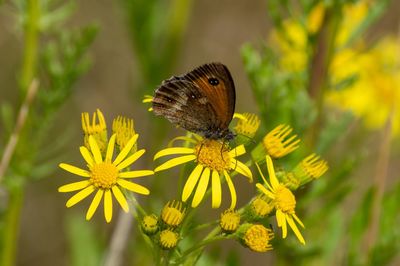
[[201, 101]]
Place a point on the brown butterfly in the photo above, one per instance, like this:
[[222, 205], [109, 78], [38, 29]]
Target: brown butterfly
[[201, 101]]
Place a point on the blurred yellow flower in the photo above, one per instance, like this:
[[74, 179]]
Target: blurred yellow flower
[[96, 128], [375, 93], [105, 176]]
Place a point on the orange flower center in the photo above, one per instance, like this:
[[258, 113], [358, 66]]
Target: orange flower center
[[213, 154], [284, 200]]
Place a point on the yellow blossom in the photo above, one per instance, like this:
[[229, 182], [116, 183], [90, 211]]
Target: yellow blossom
[[168, 239], [214, 161], [257, 237], [229, 221], [278, 143], [124, 128], [150, 224], [173, 213], [96, 128], [283, 200], [247, 125], [106, 176]]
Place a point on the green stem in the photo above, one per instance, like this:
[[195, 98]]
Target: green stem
[[11, 226], [31, 43], [211, 237]]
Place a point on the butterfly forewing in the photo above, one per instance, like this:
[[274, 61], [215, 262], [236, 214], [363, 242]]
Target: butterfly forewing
[[202, 101]]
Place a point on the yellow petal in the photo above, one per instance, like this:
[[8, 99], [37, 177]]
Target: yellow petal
[[298, 220], [265, 191], [174, 162], [108, 208], [136, 173], [75, 170], [216, 190], [191, 182], [231, 189], [125, 151], [133, 187], [295, 229], [239, 150], [282, 217], [263, 177], [94, 148], [110, 148], [130, 160], [95, 203], [80, 196], [272, 177], [74, 186], [120, 198], [242, 169], [86, 155], [174, 150], [201, 187]]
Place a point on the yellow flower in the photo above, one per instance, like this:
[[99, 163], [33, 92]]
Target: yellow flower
[[168, 239], [229, 221], [214, 160], [150, 224], [97, 128], [261, 207], [247, 125], [124, 129], [257, 237], [374, 94], [173, 213], [278, 144], [313, 167], [105, 176], [283, 200]]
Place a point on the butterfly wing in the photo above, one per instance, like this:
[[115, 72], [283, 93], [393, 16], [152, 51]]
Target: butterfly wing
[[201, 101]]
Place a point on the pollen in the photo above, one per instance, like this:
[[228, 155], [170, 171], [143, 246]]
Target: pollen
[[213, 154], [285, 200], [257, 237], [173, 213], [104, 175]]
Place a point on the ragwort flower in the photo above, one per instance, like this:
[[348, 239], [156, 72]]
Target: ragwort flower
[[96, 128], [283, 200], [214, 160], [106, 176]]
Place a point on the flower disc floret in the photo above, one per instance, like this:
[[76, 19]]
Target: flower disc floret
[[257, 237], [104, 175], [284, 199], [213, 154]]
